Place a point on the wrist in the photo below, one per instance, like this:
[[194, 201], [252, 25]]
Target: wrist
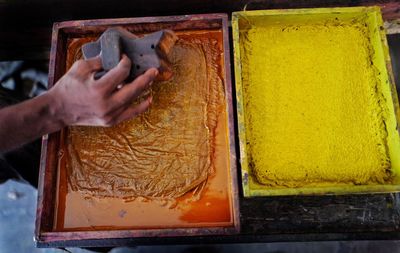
[[55, 110]]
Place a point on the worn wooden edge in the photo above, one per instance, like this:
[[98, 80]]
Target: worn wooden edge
[[247, 238], [231, 124], [48, 169], [61, 237], [389, 68], [39, 209], [244, 170], [46, 196], [390, 10], [183, 22]]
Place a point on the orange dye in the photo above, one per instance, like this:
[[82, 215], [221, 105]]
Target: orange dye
[[166, 168]]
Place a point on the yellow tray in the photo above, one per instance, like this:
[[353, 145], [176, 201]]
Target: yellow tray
[[381, 59]]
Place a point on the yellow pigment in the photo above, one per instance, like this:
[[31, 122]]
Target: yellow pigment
[[313, 108]]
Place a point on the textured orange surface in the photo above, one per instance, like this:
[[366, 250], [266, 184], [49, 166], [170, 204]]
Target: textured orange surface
[[168, 167], [163, 153]]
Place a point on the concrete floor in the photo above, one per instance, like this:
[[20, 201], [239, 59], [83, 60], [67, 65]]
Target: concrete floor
[[17, 218]]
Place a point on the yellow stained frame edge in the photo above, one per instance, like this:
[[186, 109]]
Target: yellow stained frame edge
[[394, 109]]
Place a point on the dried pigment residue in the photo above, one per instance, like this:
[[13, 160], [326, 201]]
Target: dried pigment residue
[[166, 151], [312, 103]]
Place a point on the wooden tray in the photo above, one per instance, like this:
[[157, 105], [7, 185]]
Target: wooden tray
[[46, 231], [251, 187]]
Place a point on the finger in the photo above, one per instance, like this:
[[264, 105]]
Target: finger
[[86, 67], [133, 111], [94, 64], [132, 90], [117, 75]]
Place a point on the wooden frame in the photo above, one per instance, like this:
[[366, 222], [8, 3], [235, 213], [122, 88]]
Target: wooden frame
[[44, 233]]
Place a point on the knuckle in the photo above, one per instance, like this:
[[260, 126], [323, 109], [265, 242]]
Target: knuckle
[[99, 91], [125, 100], [107, 121], [79, 69], [125, 64], [80, 63], [103, 111]]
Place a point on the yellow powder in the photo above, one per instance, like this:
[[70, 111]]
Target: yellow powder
[[312, 105]]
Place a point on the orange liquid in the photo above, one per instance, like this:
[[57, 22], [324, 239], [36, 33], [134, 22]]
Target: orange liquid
[[80, 210]]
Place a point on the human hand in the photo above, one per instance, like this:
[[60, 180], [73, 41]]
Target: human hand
[[79, 99]]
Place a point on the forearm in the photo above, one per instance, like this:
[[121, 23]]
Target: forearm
[[76, 99], [27, 121]]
